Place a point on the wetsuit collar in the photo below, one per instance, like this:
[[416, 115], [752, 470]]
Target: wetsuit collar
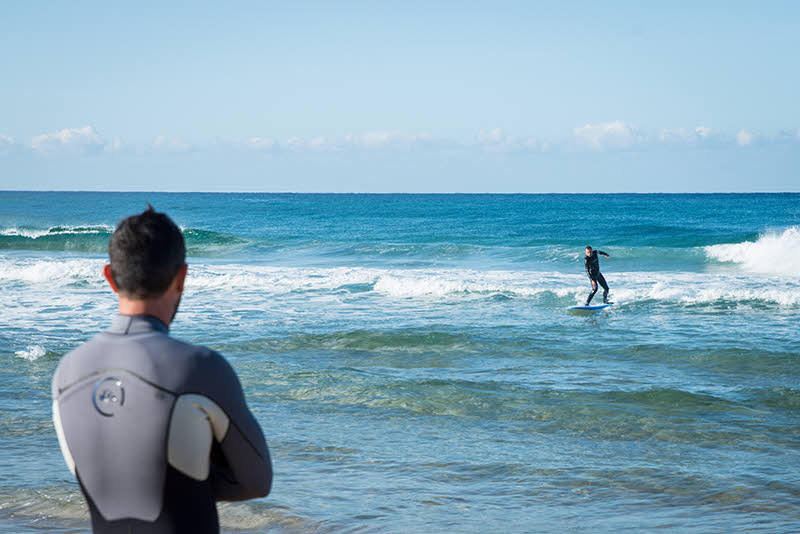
[[137, 324]]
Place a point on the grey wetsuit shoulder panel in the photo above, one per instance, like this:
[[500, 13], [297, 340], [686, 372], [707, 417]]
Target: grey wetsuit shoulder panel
[[156, 430]]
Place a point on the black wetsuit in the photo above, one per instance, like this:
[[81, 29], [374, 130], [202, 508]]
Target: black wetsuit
[[592, 264], [156, 431]]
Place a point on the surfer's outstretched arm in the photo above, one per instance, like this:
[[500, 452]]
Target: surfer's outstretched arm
[[603, 253]]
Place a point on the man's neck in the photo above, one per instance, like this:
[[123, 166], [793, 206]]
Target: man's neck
[[158, 308]]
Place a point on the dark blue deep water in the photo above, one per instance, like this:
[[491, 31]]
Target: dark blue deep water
[[414, 368]]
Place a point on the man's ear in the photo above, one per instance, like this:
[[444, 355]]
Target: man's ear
[[180, 277], [110, 277]]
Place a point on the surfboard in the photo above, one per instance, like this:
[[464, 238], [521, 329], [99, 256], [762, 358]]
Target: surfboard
[[588, 308]]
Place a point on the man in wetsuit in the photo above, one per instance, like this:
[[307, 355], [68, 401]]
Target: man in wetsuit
[[592, 263], [155, 430]]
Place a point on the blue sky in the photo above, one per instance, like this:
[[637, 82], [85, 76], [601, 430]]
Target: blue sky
[[410, 96]]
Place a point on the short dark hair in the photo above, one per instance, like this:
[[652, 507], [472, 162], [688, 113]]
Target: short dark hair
[[588, 247], [146, 252]]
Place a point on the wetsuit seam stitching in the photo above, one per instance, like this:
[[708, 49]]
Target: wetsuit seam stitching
[[109, 369]]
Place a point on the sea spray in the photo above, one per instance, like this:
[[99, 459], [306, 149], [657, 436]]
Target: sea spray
[[31, 353], [773, 253]]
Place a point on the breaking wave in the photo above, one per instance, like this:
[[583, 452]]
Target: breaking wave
[[94, 239], [31, 353], [89, 238], [773, 253], [548, 288]]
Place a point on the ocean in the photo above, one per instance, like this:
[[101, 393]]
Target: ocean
[[413, 366]]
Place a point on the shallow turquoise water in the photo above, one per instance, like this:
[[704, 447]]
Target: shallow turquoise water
[[413, 367]]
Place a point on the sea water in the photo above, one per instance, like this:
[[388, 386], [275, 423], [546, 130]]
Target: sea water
[[414, 369]]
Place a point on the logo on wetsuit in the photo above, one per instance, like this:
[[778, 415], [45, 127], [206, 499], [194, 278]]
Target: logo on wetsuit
[[108, 395]]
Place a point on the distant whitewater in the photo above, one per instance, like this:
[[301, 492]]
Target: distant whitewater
[[226, 280], [413, 366], [94, 239]]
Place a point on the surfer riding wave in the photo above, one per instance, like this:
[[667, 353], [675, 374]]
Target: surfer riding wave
[[592, 263]]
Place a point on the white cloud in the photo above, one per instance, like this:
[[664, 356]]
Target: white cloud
[[322, 144], [621, 136], [295, 143], [491, 137], [165, 144], [262, 143], [319, 143], [616, 135], [745, 138], [785, 136], [496, 140], [5, 144], [72, 142], [377, 140], [707, 133], [609, 135], [114, 146], [696, 137], [388, 139]]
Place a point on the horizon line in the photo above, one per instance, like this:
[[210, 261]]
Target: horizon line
[[220, 192]]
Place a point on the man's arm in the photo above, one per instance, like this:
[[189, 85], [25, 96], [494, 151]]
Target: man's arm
[[238, 470], [240, 463], [603, 253]]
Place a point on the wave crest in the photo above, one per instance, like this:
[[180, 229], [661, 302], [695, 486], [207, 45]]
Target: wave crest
[[94, 239], [31, 353], [772, 253]]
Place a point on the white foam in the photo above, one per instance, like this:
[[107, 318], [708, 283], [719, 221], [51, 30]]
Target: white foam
[[49, 283], [773, 253], [14, 231], [704, 289], [429, 283], [52, 272], [682, 288], [275, 279], [36, 233], [388, 282], [31, 353]]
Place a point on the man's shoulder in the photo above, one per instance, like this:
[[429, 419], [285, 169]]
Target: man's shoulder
[[178, 346], [160, 358], [201, 365], [85, 350], [104, 343]]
